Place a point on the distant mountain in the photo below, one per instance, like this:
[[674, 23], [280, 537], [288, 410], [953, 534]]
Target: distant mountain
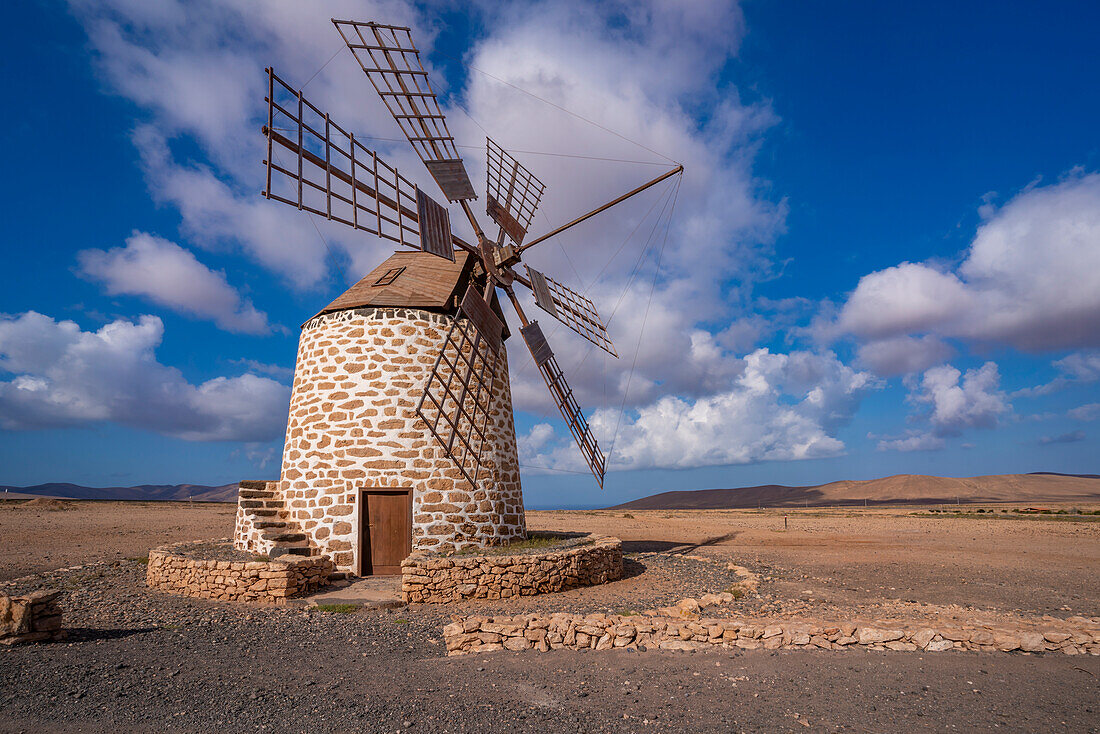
[[901, 489], [184, 492]]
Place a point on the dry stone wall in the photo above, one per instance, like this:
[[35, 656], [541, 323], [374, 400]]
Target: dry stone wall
[[353, 425], [433, 580], [248, 581], [34, 617], [1074, 636]]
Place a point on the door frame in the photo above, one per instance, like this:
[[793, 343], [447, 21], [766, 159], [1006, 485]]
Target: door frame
[[363, 564]]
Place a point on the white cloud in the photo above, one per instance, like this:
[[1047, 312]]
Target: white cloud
[[1080, 366], [649, 71], [1074, 368], [901, 355], [277, 371], [1030, 279], [780, 407], [913, 441], [167, 274], [1086, 412], [1071, 437], [63, 376], [974, 401]]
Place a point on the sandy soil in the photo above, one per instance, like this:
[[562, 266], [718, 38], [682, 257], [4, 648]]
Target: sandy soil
[[1031, 564], [138, 660], [37, 539]]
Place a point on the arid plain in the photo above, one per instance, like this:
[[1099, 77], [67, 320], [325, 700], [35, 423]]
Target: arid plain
[[140, 660]]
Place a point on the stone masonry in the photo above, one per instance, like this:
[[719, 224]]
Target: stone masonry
[[35, 617], [251, 581], [353, 425], [435, 580], [1074, 636]]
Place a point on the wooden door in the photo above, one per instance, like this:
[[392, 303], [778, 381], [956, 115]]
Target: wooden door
[[385, 535]]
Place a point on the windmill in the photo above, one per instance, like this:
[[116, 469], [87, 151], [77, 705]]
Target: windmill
[[315, 165]]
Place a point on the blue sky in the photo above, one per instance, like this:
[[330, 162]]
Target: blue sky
[[884, 255]]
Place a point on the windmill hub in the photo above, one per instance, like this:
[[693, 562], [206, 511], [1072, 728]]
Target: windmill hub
[[400, 432]]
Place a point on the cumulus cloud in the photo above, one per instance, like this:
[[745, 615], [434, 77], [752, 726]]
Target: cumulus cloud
[[1030, 279], [1086, 412], [913, 441], [780, 407], [1071, 437], [1073, 368], [64, 376], [958, 400], [902, 355], [168, 275]]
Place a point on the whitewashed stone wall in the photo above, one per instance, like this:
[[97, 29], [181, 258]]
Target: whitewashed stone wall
[[353, 425]]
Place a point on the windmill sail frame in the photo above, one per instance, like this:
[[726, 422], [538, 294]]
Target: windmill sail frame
[[563, 397], [571, 308], [392, 63], [459, 390]]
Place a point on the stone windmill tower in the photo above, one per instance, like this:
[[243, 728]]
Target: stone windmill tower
[[400, 432]]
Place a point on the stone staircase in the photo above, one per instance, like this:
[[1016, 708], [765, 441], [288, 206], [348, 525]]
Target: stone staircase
[[264, 509]]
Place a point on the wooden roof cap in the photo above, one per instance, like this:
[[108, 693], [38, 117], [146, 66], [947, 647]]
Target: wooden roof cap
[[409, 280]]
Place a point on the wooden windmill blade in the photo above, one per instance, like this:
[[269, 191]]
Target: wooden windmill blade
[[392, 63], [570, 308], [458, 393], [512, 192], [563, 397], [315, 165]]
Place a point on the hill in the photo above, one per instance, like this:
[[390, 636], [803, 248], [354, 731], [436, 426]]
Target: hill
[[178, 492], [901, 489]]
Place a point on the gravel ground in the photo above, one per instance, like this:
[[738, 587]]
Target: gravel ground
[[139, 660]]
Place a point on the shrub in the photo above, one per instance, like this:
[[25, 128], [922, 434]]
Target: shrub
[[338, 608]]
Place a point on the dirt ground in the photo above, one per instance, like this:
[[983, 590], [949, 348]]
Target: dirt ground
[[37, 539], [138, 660]]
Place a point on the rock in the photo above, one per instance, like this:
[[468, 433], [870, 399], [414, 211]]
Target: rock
[[1005, 642], [1032, 642], [1056, 637], [771, 631], [688, 605], [676, 645], [922, 637], [517, 643], [901, 645], [981, 637], [874, 635], [845, 641], [939, 645]]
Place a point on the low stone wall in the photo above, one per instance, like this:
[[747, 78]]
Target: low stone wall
[[1073, 636], [436, 580], [247, 581], [34, 617]]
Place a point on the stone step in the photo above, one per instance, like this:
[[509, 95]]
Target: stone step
[[261, 513], [294, 550], [255, 494], [268, 524], [253, 484], [283, 536], [338, 576]]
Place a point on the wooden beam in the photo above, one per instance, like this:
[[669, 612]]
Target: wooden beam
[[608, 205]]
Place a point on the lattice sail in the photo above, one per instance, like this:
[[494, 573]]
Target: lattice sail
[[392, 63], [563, 396], [315, 165], [512, 192], [458, 394], [570, 308]]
